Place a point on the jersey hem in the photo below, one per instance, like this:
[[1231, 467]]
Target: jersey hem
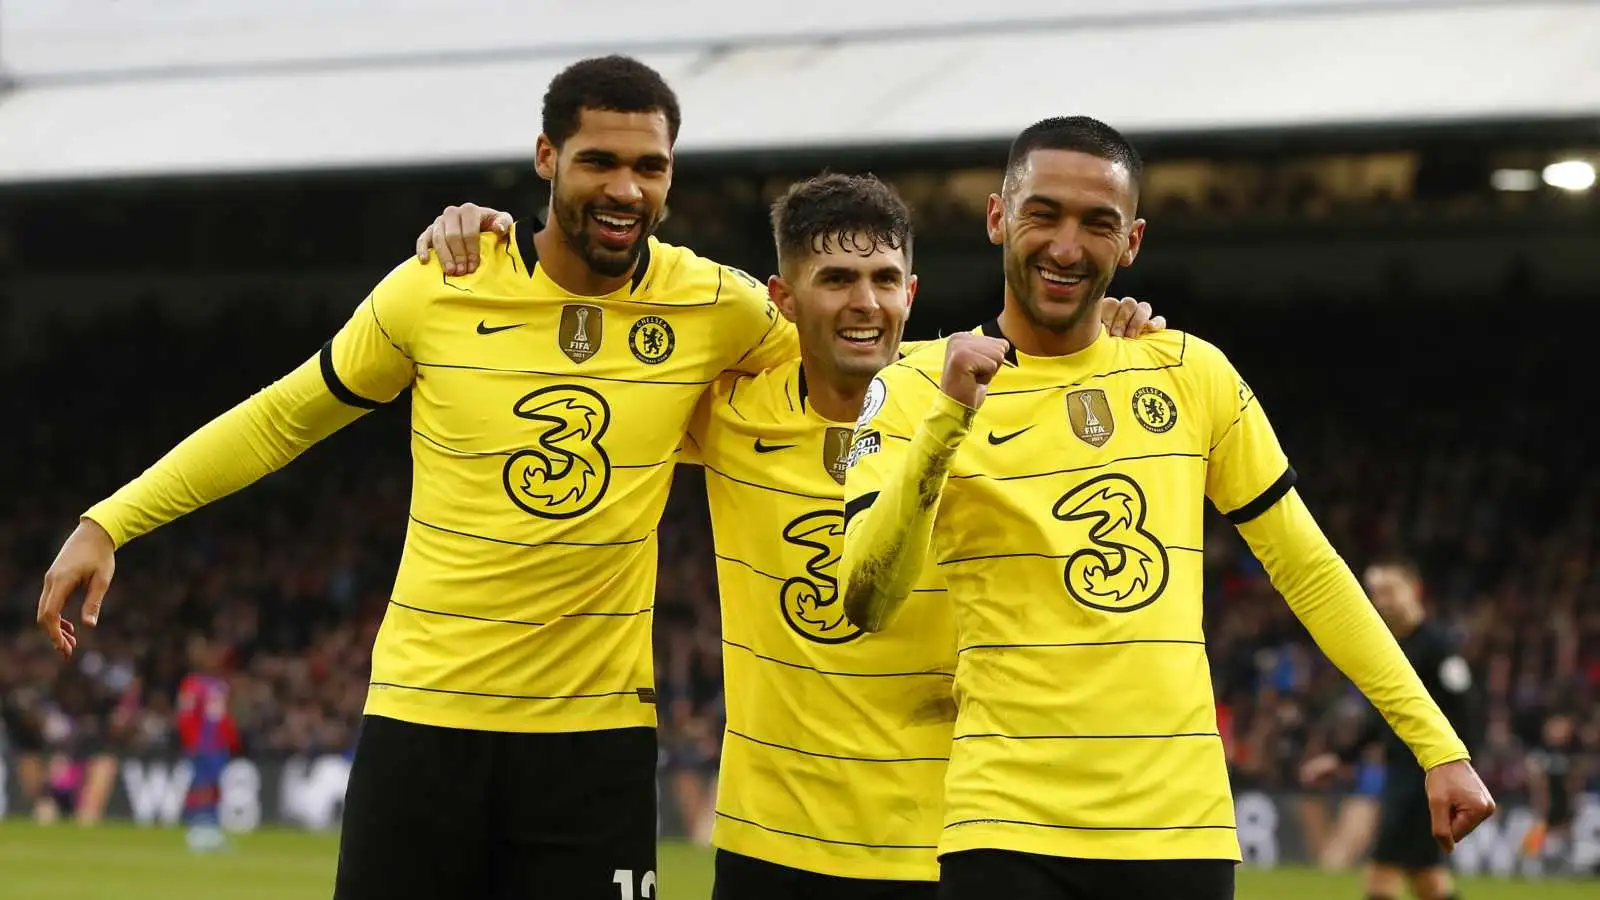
[[1122, 845], [391, 707], [735, 837]]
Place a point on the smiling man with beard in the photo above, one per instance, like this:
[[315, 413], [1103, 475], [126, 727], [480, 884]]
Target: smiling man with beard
[[508, 748], [833, 755], [1056, 477]]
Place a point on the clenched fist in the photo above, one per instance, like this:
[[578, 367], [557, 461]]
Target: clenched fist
[[970, 361], [1457, 802]]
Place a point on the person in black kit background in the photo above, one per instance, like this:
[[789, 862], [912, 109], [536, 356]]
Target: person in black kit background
[[1405, 849], [1556, 776]]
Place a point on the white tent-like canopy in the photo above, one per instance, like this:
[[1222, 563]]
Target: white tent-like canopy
[[195, 88]]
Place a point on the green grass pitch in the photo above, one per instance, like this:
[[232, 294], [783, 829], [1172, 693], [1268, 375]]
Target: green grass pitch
[[116, 862]]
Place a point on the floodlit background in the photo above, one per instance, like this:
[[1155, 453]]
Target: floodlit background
[[1383, 210]]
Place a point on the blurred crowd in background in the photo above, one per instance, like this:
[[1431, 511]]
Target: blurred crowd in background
[[1471, 461]]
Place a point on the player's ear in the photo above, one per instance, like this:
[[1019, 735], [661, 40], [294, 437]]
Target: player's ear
[[545, 155], [1135, 241], [997, 219], [911, 290], [782, 297]]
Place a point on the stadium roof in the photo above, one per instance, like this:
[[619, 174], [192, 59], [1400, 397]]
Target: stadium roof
[[420, 88]]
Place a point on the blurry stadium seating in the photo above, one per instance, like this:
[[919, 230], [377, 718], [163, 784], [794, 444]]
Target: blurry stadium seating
[[1419, 337], [292, 574]]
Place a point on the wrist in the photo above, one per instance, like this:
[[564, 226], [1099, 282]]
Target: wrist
[[95, 531], [948, 420]]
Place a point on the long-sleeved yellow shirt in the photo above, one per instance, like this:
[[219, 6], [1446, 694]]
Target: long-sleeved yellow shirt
[[1067, 516], [544, 432], [234, 450]]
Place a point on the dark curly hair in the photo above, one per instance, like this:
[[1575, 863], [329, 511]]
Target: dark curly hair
[[614, 83], [859, 212], [1080, 134]]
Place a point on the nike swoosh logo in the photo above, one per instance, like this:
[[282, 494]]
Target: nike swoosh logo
[[485, 328], [998, 439], [768, 448]]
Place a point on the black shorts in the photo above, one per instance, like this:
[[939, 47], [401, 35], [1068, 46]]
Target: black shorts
[[445, 812], [989, 874], [1405, 828], [745, 878]]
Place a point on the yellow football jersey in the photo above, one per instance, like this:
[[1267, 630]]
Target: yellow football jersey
[[544, 431], [837, 741], [1069, 533]]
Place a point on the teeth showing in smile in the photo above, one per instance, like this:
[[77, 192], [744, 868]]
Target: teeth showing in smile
[[860, 334], [617, 222], [1058, 278]]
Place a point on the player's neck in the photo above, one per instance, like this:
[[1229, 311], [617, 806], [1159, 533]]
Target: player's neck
[[1031, 340], [835, 398], [563, 264]]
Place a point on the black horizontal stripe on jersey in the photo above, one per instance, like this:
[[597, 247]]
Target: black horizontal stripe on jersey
[[1264, 501], [1183, 348], [1067, 644], [561, 376], [767, 487], [1110, 462], [866, 759], [336, 385], [833, 674], [527, 622], [486, 453], [633, 692], [511, 543], [967, 559], [782, 578], [455, 615], [607, 615], [823, 840], [1090, 827], [858, 505], [1084, 737]]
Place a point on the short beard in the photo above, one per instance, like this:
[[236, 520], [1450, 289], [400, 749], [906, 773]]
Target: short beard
[[1019, 273], [573, 223]]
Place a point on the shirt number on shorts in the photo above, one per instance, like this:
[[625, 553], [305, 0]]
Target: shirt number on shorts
[[624, 882]]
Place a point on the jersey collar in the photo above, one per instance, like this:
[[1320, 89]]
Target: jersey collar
[[991, 328], [530, 252], [1089, 356]]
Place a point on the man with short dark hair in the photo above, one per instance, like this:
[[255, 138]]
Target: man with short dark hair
[[508, 749], [834, 751], [1056, 477]]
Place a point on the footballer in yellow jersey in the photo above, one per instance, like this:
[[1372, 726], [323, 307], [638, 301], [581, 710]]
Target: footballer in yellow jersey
[[508, 748], [1057, 478], [834, 754]]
